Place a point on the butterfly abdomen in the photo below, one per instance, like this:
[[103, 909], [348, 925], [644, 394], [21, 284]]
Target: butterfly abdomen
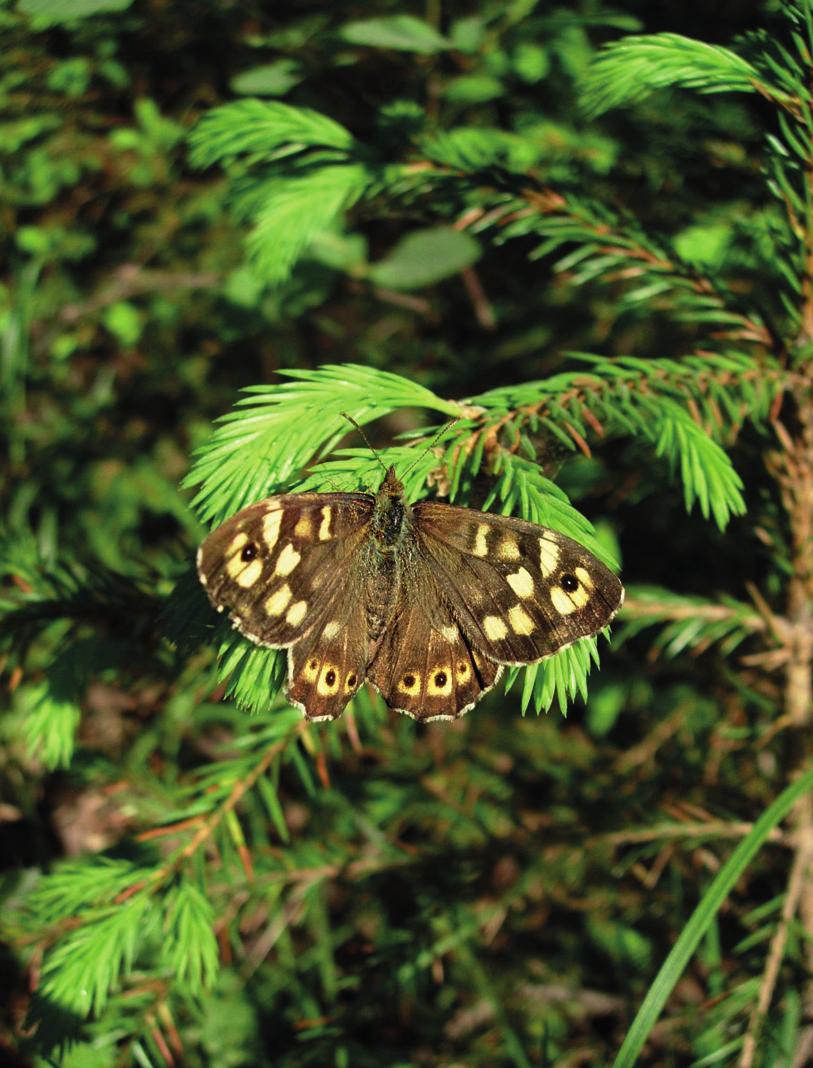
[[382, 583]]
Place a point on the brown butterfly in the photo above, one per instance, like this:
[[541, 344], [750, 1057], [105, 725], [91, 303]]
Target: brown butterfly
[[428, 601]]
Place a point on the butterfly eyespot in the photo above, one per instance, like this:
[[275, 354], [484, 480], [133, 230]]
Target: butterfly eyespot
[[330, 677], [409, 680], [312, 665], [249, 552], [569, 583], [351, 680], [462, 668], [440, 678]]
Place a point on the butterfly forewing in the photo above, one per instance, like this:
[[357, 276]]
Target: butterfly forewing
[[280, 567], [520, 592]]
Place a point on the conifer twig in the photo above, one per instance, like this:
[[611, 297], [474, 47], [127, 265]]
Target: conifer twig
[[799, 875]]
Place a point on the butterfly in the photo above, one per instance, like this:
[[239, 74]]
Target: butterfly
[[429, 602]]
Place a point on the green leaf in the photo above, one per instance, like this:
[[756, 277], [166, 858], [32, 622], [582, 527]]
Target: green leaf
[[530, 62], [272, 79], [473, 89], [123, 319], [56, 11], [704, 244], [401, 32], [424, 258]]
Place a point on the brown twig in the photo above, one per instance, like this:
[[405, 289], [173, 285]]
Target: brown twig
[[131, 280], [708, 829]]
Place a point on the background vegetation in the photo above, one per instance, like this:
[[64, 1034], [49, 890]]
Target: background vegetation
[[421, 213]]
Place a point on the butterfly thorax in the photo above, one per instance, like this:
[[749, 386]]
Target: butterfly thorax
[[388, 526]]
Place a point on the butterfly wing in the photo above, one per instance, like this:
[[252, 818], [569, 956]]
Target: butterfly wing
[[280, 567], [328, 665], [425, 666], [520, 592]]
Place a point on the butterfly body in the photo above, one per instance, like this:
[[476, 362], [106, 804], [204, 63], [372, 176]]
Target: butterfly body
[[427, 601]]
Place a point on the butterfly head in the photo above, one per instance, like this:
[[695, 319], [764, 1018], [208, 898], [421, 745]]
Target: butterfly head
[[392, 486]]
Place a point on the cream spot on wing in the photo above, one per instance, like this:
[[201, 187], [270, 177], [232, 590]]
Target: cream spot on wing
[[494, 628], [508, 548], [521, 583], [276, 604], [296, 613], [328, 680], [581, 596], [410, 683], [562, 601], [237, 542], [235, 565], [311, 669], [440, 682], [331, 629], [481, 540], [548, 556], [567, 602], [304, 528], [288, 559], [449, 632], [521, 622], [584, 578], [250, 574], [324, 526], [271, 525]]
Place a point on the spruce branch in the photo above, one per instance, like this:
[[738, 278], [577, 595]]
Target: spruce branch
[[263, 130], [655, 401], [94, 943], [299, 173], [629, 70], [662, 402], [688, 623], [277, 430], [598, 245]]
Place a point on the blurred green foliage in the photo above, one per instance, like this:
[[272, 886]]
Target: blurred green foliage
[[406, 209]]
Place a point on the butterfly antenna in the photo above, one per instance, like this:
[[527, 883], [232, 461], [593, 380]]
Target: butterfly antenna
[[431, 445], [360, 429]]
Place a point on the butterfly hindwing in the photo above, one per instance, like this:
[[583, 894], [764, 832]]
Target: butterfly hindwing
[[328, 665], [520, 592], [279, 566], [429, 671]]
